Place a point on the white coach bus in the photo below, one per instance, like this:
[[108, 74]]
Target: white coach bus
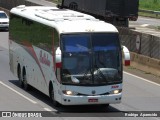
[[72, 57]]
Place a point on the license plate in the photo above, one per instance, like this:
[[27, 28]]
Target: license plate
[[92, 100]]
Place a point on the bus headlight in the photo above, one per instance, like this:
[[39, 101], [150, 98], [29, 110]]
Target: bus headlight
[[68, 92], [116, 91]]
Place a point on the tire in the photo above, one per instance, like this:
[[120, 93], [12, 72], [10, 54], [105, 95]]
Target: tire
[[26, 86], [126, 23], [121, 23], [55, 103], [21, 84]]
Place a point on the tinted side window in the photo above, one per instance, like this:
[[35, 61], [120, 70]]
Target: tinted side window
[[23, 30]]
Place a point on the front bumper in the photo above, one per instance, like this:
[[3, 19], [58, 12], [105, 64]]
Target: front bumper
[[4, 26], [91, 100]]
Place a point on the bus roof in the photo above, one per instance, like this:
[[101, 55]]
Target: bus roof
[[63, 20]]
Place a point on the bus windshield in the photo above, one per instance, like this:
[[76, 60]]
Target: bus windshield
[[91, 59]]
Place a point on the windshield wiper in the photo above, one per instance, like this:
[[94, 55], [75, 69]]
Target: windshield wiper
[[86, 76], [100, 73]]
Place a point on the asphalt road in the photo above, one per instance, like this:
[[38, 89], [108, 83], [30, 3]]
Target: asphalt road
[[138, 95], [145, 21], [146, 25]]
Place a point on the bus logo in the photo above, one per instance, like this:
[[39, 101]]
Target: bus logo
[[44, 59]]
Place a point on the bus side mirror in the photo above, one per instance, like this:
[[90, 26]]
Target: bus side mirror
[[126, 56], [58, 58]]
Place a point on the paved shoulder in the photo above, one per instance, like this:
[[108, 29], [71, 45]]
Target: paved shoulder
[[142, 74]]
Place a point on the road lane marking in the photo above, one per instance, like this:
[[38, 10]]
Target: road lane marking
[[145, 25], [142, 78], [32, 101], [47, 109]]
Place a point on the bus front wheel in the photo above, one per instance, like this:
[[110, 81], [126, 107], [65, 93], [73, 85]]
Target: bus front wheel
[[55, 103]]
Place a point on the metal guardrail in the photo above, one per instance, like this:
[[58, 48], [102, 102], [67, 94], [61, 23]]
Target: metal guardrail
[[150, 12]]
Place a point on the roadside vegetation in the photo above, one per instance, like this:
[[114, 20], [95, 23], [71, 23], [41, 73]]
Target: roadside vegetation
[[153, 5], [149, 5]]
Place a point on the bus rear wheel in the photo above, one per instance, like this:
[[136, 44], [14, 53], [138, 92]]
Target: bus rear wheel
[[26, 86], [20, 76]]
